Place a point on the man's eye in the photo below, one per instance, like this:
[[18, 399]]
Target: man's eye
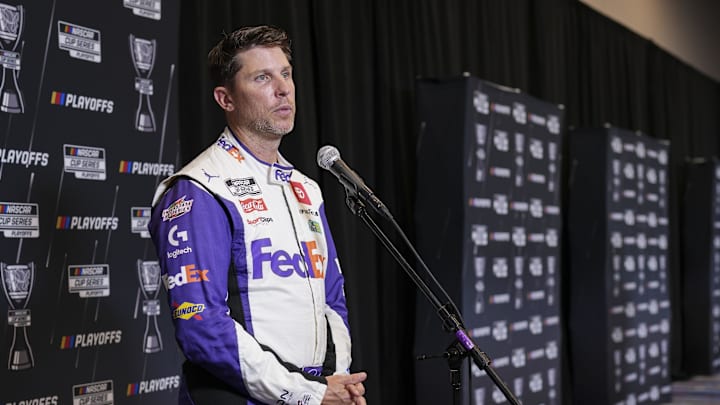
[[261, 78], [287, 74]]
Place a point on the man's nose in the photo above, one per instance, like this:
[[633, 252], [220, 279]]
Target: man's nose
[[284, 87]]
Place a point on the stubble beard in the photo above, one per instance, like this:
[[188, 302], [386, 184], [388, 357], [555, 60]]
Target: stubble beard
[[268, 129]]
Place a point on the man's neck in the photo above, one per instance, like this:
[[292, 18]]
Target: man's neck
[[264, 148]]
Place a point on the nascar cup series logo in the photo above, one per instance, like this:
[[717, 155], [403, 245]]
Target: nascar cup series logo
[[19, 220], [81, 42], [86, 162], [17, 282], [142, 52], [145, 8], [94, 393], [139, 220], [89, 280], [12, 20], [149, 276]]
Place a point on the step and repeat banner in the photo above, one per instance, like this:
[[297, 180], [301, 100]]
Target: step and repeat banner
[[88, 127], [489, 223], [619, 302], [701, 272]]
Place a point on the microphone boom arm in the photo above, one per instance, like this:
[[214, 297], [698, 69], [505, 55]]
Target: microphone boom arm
[[447, 312]]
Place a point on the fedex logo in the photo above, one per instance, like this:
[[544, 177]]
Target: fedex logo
[[282, 175], [230, 148], [285, 264], [188, 274]]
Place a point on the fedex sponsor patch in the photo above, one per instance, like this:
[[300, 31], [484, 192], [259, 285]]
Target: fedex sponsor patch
[[284, 264]]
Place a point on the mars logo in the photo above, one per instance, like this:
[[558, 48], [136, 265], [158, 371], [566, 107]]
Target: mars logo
[[81, 42], [300, 193], [283, 263]]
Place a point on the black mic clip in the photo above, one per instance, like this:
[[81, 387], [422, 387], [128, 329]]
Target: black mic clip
[[353, 202]]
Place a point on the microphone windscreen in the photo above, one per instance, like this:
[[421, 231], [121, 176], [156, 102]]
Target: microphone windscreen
[[326, 156]]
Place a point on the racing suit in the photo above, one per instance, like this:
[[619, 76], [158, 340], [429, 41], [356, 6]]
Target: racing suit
[[253, 279]]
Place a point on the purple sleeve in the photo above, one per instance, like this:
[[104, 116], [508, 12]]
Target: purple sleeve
[[192, 237]]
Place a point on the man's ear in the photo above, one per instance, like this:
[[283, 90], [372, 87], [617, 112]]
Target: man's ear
[[223, 98]]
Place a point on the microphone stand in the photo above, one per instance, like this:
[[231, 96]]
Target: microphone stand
[[463, 345]]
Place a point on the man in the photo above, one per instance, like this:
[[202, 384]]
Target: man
[[246, 252]]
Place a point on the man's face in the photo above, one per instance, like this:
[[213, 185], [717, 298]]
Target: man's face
[[264, 92]]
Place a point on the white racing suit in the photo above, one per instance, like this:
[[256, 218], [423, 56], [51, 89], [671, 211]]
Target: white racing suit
[[253, 279]]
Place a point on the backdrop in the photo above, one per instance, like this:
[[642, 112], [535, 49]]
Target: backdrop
[[89, 127], [356, 63]]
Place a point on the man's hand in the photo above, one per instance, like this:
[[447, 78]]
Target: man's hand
[[345, 389]]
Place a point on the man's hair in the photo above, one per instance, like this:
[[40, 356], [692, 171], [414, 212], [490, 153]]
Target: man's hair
[[222, 62]]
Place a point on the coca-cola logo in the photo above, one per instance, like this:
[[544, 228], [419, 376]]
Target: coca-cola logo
[[253, 204]]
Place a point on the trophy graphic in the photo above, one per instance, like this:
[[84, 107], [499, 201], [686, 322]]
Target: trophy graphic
[[17, 282], [149, 275], [11, 26], [142, 52]]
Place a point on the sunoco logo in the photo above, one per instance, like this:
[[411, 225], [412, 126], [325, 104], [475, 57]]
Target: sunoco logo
[[87, 223], [78, 102], [146, 168], [188, 310], [154, 385], [81, 340]]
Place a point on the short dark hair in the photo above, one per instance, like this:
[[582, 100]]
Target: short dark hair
[[223, 64]]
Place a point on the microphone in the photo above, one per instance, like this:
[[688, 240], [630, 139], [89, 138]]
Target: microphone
[[328, 158]]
